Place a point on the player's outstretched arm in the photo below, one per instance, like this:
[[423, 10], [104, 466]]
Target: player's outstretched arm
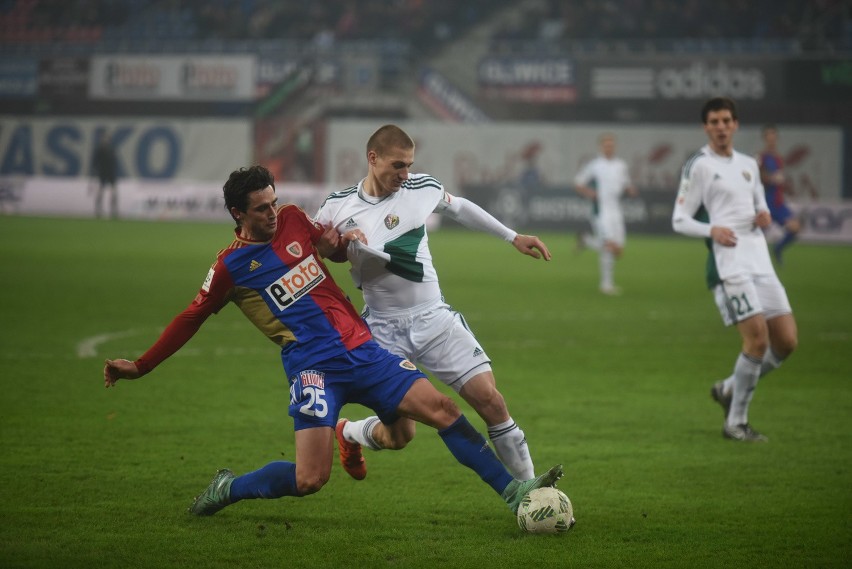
[[119, 369], [532, 246]]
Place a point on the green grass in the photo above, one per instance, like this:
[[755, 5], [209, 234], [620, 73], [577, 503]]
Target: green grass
[[617, 389]]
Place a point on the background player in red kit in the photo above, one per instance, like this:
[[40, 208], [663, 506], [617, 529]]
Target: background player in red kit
[[274, 273]]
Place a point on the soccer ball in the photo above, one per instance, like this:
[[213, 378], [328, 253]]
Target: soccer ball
[[546, 510]]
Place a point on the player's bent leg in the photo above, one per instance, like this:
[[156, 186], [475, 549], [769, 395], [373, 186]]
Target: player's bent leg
[[314, 455], [783, 335], [510, 443], [614, 248], [481, 393], [427, 405], [755, 336], [396, 435]]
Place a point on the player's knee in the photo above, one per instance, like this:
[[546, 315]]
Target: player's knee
[[399, 436], [787, 345], [492, 408], [756, 346], [398, 441], [756, 343], [449, 409], [311, 483]]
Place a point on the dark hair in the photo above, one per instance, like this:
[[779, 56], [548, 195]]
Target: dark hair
[[718, 104], [242, 182]]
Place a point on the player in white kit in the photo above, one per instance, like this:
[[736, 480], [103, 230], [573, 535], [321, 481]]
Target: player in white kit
[[603, 180], [722, 200], [404, 306]]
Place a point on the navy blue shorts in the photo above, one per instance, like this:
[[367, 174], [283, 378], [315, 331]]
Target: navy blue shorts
[[368, 375], [780, 213]]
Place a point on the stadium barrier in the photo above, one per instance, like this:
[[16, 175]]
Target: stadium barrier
[[559, 208], [548, 209], [137, 198]]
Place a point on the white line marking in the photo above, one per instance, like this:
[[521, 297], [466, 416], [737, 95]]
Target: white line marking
[[88, 347]]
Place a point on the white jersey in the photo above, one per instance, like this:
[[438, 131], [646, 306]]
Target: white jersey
[[399, 274], [724, 191], [611, 178]]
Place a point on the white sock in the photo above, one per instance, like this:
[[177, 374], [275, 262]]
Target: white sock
[[592, 242], [361, 432], [770, 361], [746, 374], [607, 263], [510, 446]]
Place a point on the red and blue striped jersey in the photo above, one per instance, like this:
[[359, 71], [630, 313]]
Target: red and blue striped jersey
[[283, 288], [771, 162]]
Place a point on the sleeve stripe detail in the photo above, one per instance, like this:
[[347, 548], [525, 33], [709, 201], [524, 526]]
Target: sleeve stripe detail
[[692, 159], [341, 194], [420, 183]]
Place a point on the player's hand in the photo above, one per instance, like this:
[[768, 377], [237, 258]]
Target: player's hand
[[354, 235], [723, 236], [532, 246], [119, 369], [763, 219], [329, 242]]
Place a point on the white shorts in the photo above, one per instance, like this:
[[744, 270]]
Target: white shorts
[[610, 227], [744, 297], [434, 337]]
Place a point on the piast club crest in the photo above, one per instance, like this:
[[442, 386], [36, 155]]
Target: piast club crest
[[295, 249], [391, 220]]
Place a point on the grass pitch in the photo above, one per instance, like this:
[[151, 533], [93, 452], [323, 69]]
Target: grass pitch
[[617, 389]]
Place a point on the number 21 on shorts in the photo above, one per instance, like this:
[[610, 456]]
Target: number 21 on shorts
[[740, 305]]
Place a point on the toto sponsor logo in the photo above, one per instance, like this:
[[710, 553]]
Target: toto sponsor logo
[[296, 283]]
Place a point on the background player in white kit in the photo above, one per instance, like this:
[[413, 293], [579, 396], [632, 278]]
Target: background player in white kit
[[603, 180], [404, 304], [722, 200]]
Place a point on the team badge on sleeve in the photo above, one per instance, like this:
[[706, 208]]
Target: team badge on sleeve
[[405, 364], [391, 220]]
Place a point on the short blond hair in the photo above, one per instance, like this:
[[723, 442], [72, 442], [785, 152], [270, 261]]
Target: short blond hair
[[389, 136]]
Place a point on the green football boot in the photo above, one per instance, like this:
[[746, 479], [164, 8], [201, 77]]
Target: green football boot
[[216, 496], [517, 489]]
